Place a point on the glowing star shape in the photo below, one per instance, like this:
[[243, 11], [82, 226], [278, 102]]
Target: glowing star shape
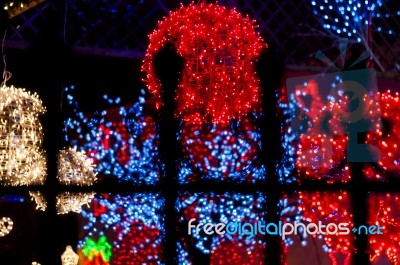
[[22, 160], [6, 225], [69, 257], [74, 168], [219, 47], [39, 199], [67, 202]]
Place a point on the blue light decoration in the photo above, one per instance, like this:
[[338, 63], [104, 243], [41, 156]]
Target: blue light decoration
[[221, 208], [350, 18], [347, 18], [221, 152], [121, 141], [132, 223]]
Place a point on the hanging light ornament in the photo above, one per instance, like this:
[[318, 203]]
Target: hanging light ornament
[[74, 168], [22, 160], [69, 257], [219, 47], [6, 225], [67, 202]]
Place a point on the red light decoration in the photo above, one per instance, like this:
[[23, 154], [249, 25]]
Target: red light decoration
[[387, 139], [235, 253], [320, 154], [330, 208], [384, 211], [137, 246], [219, 47]]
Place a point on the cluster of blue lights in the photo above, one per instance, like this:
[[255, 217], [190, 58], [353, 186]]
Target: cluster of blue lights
[[350, 18], [115, 214], [221, 208], [220, 152], [121, 141]]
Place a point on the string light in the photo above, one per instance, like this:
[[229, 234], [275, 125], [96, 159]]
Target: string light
[[121, 141], [22, 160], [69, 257], [39, 199], [383, 211], [74, 168], [386, 138], [67, 202], [134, 222], [221, 152], [35, 263], [329, 208], [346, 18], [6, 225], [219, 47], [223, 208]]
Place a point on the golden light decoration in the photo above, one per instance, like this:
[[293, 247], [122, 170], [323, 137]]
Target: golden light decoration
[[17, 7], [6, 225], [35, 263], [74, 168], [22, 160], [39, 199], [67, 202], [69, 257]]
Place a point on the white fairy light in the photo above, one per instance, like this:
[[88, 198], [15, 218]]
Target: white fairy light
[[39, 199], [22, 160], [35, 263], [67, 202], [74, 168], [69, 257], [6, 225]]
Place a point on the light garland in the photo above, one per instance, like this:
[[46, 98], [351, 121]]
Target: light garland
[[6, 225], [219, 47], [383, 211], [69, 257], [74, 168], [67, 202], [35, 263], [22, 160], [39, 199]]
